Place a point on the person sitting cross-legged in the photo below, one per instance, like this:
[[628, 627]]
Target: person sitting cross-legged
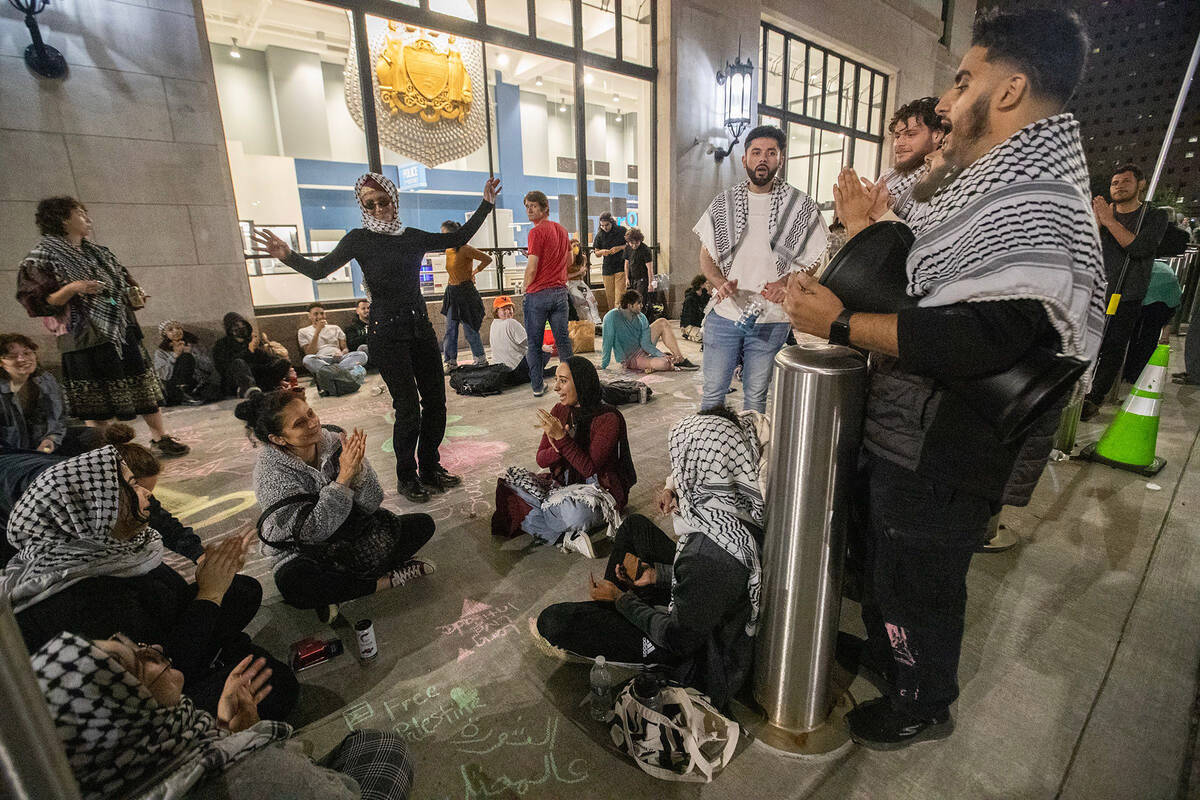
[[632, 339], [692, 607], [323, 344], [322, 523]]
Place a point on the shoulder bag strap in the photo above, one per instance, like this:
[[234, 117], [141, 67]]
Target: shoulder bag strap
[[306, 497]]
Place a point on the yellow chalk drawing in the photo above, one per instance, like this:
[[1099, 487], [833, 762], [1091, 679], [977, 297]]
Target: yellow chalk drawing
[[187, 506]]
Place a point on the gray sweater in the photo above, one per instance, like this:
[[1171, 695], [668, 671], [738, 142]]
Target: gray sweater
[[279, 474]]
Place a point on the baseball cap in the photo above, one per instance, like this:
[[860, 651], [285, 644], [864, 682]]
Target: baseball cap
[[501, 301]]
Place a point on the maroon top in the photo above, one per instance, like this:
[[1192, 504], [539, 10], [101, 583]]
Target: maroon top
[[606, 457]]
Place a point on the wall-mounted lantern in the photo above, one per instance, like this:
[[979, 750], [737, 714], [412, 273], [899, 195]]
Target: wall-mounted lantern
[[737, 79], [39, 56]]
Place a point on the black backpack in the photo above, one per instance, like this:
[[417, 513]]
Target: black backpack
[[334, 381], [480, 381], [1174, 242], [622, 391]]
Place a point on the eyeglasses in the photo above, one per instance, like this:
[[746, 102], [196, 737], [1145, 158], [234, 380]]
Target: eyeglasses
[[383, 202], [145, 654]]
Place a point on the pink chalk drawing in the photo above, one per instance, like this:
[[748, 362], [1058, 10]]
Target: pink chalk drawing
[[465, 456], [899, 640], [649, 379], [480, 622], [455, 431]]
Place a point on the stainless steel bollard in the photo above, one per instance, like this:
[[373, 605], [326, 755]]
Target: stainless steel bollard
[[819, 396], [32, 761]]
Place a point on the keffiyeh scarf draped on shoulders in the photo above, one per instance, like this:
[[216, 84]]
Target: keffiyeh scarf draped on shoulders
[[117, 737], [900, 186], [106, 311], [798, 233], [62, 529], [1018, 224], [715, 467], [370, 221]]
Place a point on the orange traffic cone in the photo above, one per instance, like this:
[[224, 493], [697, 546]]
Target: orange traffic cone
[[1132, 436]]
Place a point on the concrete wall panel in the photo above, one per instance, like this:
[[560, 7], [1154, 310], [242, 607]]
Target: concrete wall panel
[[193, 110], [16, 220], [216, 234], [44, 167], [124, 170], [144, 234]]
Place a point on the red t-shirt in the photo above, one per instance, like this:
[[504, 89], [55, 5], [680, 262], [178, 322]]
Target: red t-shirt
[[549, 242]]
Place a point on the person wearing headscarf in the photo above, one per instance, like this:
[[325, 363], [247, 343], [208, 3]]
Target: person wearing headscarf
[[238, 353], [585, 450], [87, 298], [401, 340], [128, 730], [87, 559], [184, 366], [692, 606]]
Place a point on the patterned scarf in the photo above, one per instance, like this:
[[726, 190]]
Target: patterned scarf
[[715, 464], [549, 494], [370, 221], [798, 233], [62, 529], [1018, 224], [117, 736], [90, 262], [900, 186]]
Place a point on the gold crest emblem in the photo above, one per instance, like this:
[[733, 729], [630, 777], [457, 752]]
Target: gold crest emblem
[[419, 78]]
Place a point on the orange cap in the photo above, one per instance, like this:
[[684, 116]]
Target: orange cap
[[501, 301]]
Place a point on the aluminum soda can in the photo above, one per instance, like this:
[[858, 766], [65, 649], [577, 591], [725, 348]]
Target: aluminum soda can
[[367, 647], [642, 393]]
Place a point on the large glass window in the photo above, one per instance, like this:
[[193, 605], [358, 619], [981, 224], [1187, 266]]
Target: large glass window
[[830, 106], [299, 133]]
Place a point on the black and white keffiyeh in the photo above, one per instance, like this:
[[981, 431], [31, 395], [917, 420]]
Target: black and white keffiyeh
[[372, 223], [1018, 224], [715, 467], [106, 311], [797, 230], [62, 529], [117, 736], [549, 493], [900, 187]]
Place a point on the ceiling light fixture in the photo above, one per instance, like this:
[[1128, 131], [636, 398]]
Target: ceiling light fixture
[[587, 78], [618, 120], [234, 52], [538, 81], [616, 97], [562, 106], [502, 59]]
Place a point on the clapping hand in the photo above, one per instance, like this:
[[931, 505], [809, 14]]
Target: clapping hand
[[354, 449], [269, 243], [551, 424], [220, 562], [245, 688], [490, 189], [1103, 210], [852, 200]]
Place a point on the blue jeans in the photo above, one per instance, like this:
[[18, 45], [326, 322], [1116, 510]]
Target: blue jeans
[[450, 342], [547, 305], [725, 345], [349, 361]]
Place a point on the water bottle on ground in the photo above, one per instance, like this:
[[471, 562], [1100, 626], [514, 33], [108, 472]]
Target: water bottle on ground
[[647, 690], [751, 311], [601, 696]]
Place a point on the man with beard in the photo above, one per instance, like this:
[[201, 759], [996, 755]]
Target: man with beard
[[1007, 260], [751, 238], [916, 132], [1118, 221]]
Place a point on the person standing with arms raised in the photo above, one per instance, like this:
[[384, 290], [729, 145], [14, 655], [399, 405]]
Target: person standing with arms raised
[[545, 287], [401, 338]]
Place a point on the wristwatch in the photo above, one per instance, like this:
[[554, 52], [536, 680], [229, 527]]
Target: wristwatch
[[839, 331]]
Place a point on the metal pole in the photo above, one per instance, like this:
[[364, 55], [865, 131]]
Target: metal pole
[[32, 761], [819, 394]]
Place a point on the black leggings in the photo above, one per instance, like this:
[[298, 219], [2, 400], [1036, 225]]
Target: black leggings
[[304, 582], [597, 629], [406, 352]]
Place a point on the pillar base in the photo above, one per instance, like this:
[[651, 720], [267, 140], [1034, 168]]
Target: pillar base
[[830, 740]]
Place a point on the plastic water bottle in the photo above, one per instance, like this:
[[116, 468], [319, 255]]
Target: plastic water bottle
[[647, 690], [750, 314], [601, 697]]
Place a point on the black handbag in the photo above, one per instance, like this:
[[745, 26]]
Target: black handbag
[[363, 546], [869, 274]]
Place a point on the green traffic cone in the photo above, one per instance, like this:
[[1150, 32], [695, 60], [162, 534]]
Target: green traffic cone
[[1132, 436]]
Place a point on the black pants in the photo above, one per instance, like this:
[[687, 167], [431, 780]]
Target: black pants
[[597, 629], [183, 379], [405, 350], [237, 379], [920, 541], [305, 583], [1145, 338], [1112, 348]]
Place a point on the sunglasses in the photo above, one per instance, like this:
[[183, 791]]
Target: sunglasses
[[371, 205], [145, 654]]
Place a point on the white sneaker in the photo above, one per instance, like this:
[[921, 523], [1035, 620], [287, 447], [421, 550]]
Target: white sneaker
[[580, 542], [411, 570], [480, 362]]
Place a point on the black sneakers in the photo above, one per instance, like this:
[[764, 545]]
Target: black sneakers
[[877, 726], [853, 655], [439, 480], [169, 447]]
